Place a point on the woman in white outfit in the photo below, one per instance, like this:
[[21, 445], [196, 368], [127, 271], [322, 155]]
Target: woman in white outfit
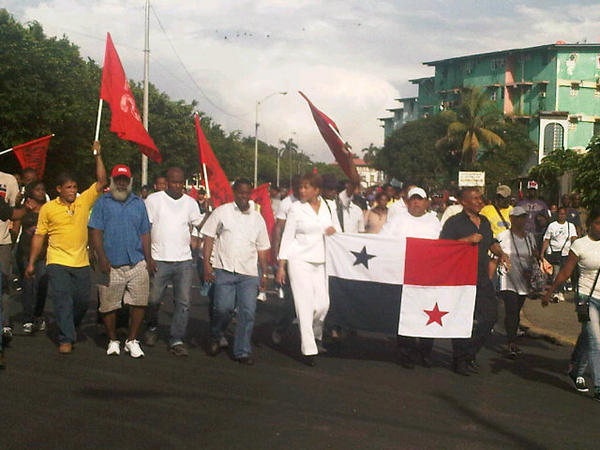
[[303, 249]]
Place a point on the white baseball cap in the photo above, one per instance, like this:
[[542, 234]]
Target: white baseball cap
[[417, 191]]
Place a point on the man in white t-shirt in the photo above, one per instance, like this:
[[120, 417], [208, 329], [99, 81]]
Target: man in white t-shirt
[[172, 215], [236, 241], [9, 189], [415, 222], [556, 245], [350, 215]]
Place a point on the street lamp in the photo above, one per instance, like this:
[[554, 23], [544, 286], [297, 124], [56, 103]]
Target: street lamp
[[256, 134]]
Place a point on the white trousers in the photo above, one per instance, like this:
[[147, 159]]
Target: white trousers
[[311, 301]]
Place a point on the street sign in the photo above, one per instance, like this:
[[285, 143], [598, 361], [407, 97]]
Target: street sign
[[471, 179]]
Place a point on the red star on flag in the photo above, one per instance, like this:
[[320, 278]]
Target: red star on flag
[[435, 315]]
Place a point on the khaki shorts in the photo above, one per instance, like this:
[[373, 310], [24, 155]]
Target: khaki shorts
[[128, 284]]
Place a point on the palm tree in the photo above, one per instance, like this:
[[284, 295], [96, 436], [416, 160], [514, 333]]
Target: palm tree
[[472, 124], [369, 153], [288, 147]]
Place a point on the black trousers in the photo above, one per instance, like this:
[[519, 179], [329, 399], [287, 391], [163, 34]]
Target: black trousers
[[484, 318], [411, 345], [513, 303]]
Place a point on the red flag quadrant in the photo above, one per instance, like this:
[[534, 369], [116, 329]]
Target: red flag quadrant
[[125, 119], [438, 295], [217, 182], [330, 133], [32, 154]]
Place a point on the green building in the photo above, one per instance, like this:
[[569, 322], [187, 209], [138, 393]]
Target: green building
[[554, 89]]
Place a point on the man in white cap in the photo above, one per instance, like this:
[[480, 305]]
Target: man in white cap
[[120, 236], [414, 222]]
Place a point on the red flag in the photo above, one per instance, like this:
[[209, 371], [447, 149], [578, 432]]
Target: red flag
[[193, 193], [32, 154], [261, 197], [331, 134], [217, 182], [125, 119]]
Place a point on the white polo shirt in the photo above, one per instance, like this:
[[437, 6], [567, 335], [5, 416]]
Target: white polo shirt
[[239, 236], [172, 221], [406, 225], [559, 235]]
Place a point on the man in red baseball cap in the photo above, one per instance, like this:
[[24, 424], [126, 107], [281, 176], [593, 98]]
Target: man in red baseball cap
[[120, 236]]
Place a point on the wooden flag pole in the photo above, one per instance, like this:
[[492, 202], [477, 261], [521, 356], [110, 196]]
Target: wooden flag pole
[[98, 120]]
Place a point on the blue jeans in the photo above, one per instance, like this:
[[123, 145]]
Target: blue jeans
[[579, 357], [592, 329], [181, 274], [34, 291], [1, 308], [234, 290], [69, 290]]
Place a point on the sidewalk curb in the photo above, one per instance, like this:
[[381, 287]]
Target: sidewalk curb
[[552, 336]]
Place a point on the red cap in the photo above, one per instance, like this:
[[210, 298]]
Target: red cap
[[120, 170]]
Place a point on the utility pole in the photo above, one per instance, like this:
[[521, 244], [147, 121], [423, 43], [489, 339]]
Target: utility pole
[[146, 76]]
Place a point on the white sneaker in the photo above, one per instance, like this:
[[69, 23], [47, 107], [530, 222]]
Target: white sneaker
[[560, 297], [28, 328], [114, 348], [223, 343], [133, 348]]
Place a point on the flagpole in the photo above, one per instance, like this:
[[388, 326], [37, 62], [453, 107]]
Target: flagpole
[[206, 180], [98, 120], [146, 76]]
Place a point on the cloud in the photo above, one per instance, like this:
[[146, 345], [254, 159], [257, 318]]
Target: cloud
[[351, 57]]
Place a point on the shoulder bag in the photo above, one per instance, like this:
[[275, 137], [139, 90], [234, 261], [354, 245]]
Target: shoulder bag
[[582, 303]]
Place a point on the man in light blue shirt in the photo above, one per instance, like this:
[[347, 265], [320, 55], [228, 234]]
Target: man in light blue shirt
[[120, 237]]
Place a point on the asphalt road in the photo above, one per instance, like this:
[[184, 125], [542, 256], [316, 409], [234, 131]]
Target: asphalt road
[[357, 398]]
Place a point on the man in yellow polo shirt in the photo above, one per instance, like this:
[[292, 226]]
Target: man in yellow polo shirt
[[64, 220], [498, 213]]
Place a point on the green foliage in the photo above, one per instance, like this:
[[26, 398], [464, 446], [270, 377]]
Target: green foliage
[[471, 127], [417, 153], [503, 165], [46, 87], [410, 153], [587, 170], [555, 164]]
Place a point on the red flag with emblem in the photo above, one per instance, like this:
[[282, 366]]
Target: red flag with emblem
[[217, 182], [125, 119], [338, 147], [32, 154]]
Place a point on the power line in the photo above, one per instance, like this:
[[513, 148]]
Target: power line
[[208, 99]]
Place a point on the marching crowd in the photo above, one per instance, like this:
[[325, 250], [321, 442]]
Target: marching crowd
[[132, 247]]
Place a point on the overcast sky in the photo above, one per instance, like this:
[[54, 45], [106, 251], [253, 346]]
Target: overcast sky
[[351, 57]]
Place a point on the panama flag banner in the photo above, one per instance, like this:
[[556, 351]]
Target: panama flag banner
[[411, 287]]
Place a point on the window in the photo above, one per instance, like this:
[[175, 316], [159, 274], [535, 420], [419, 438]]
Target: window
[[497, 63], [494, 95], [553, 137], [573, 123], [469, 67], [574, 90], [542, 88]]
